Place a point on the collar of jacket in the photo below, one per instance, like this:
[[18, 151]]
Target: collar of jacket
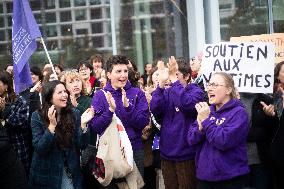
[[109, 88]]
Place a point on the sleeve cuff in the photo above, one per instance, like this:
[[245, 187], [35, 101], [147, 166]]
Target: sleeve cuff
[[129, 108], [159, 89], [205, 124], [85, 130]]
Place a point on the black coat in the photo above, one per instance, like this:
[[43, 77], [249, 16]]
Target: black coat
[[263, 127], [277, 144], [12, 173]]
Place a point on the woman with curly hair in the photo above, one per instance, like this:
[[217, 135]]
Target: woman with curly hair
[[75, 87]]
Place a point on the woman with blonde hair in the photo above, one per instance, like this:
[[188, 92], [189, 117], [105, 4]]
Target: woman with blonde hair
[[220, 135], [75, 87]]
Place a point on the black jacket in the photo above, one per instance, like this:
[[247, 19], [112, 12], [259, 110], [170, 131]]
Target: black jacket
[[12, 173], [262, 127]]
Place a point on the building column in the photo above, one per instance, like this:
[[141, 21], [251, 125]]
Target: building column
[[138, 36], [58, 29], [196, 30], [212, 21], [178, 30], [148, 33], [6, 26], [113, 29]]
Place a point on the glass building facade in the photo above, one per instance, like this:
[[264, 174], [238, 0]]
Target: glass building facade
[[144, 30]]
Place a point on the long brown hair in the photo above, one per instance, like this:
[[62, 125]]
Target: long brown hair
[[7, 79], [66, 125]]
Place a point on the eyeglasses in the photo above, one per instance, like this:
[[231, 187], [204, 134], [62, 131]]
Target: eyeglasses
[[214, 85], [83, 69]]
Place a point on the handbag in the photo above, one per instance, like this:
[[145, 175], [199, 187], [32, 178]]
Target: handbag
[[114, 157]]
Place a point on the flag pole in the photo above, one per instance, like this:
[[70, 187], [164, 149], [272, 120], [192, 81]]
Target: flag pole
[[48, 57]]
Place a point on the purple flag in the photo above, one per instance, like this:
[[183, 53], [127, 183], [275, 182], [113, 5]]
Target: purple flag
[[24, 33]]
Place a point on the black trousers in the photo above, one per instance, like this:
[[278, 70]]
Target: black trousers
[[240, 182]]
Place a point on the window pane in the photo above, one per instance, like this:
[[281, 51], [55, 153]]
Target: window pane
[[9, 20], [10, 34], [156, 8], [51, 31], [109, 41], [278, 16], [96, 13], [67, 42], [35, 5], [50, 17], [82, 31], [1, 7], [80, 15], [64, 3], [38, 18], [65, 16], [242, 18], [79, 3], [97, 27], [9, 6], [51, 44], [50, 4], [3, 49], [82, 42], [97, 42], [66, 30], [2, 24], [2, 35], [108, 12], [95, 2]]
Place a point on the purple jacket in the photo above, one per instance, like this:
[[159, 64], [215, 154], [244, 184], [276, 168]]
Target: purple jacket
[[221, 152], [175, 106], [134, 118]]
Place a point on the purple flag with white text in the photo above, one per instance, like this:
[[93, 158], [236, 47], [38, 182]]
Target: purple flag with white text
[[24, 33]]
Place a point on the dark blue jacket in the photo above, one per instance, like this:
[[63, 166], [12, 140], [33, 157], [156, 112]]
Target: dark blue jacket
[[48, 159], [134, 118]]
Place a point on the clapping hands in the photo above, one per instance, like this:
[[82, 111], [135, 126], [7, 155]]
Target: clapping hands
[[173, 68], [37, 87], [2, 103], [87, 116], [111, 102], [125, 100], [203, 112], [268, 109], [52, 118]]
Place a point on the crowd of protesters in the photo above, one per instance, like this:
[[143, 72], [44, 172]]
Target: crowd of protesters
[[183, 135]]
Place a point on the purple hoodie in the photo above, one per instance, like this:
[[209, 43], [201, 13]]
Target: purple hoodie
[[175, 106], [134, 118], [221, 145]]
